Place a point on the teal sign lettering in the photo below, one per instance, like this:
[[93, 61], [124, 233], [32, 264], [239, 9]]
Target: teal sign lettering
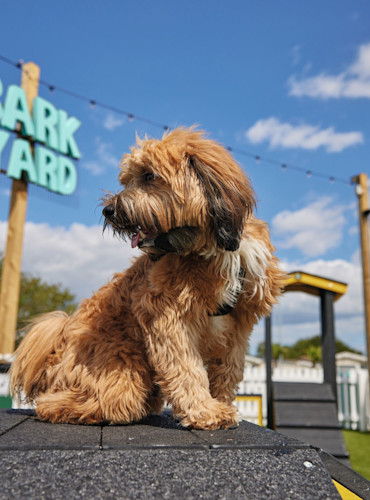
[[53, 132], [4, 136], [16, 110], [21, 161]]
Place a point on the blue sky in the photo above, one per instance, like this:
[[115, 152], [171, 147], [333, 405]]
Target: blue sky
[[287, 81]]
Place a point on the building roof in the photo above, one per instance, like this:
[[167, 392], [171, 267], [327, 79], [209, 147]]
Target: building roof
[[351, 358]]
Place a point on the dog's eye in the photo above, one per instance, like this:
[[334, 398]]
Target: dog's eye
[[148, 176]]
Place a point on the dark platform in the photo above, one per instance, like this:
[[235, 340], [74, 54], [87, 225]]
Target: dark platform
[[308, 412], [157, 459]]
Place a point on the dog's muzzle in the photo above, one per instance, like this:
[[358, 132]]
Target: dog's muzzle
[[179, 239], [109, 212], [140, 237]]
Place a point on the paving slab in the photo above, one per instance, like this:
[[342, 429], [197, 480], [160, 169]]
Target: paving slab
[[32, 434], [302, 391], [12, 418], [248, 435], [174, 474], [328, 439], [146, 436], [306, 414]]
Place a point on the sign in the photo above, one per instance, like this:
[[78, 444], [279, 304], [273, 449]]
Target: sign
[[51, 130]]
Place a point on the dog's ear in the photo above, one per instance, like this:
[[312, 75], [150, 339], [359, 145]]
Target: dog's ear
[[230, 199]]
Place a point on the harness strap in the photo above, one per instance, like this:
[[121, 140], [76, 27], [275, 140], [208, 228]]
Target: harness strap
[[224, 309]]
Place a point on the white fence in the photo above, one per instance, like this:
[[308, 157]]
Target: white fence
[[352, 385], [4, 384]]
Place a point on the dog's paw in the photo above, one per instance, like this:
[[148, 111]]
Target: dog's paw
[[211, 416]]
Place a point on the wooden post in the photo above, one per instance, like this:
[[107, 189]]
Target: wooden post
[[328, 340], [363, 211], [268, 361], [11, 274]]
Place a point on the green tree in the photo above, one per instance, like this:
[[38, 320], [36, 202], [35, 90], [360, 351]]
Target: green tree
[[310, 347], [38, 297], [278, 350], [315, 354]]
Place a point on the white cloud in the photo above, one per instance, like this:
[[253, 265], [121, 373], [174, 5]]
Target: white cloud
[[313, 229], [80, 257], [296, 54], [297, 315], [354, 82], [351, 304], [94, 167], [303, 136], [104, 158], [111, 122]]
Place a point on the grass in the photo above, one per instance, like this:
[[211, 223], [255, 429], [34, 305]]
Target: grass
[[358, 446]]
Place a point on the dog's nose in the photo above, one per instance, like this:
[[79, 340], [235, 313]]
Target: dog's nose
[[108, 212]]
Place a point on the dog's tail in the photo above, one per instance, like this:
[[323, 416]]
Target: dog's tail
[[29, 369]]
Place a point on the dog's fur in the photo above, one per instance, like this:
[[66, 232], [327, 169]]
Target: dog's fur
[[155, 332]]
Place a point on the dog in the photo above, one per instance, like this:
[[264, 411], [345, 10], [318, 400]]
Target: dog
[[173, 327]]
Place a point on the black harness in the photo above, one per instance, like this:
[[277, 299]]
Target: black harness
[[224, 309]]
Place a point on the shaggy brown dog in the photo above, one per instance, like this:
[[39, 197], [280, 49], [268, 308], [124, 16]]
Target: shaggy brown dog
[[175, 325]]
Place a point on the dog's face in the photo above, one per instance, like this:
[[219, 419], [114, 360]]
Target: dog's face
[[183, 194]]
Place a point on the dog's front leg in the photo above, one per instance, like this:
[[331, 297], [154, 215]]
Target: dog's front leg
[[225, 373], [225, 365], [173, 353]]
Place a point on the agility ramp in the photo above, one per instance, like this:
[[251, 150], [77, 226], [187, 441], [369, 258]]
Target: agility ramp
[[308, 412], [158, 458]]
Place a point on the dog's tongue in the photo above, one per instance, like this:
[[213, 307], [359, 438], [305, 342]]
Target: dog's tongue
[[135, 240]]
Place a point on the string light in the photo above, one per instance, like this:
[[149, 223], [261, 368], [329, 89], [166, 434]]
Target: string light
[[131, 117]]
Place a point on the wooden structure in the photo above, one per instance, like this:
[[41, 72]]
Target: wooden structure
[[363, 214], [308, 412], [328, 291], [11, 274], [257, 398], [157, 458], [304, 410]]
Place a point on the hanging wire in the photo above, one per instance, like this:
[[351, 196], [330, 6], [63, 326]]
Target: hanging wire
[[131, 116]]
